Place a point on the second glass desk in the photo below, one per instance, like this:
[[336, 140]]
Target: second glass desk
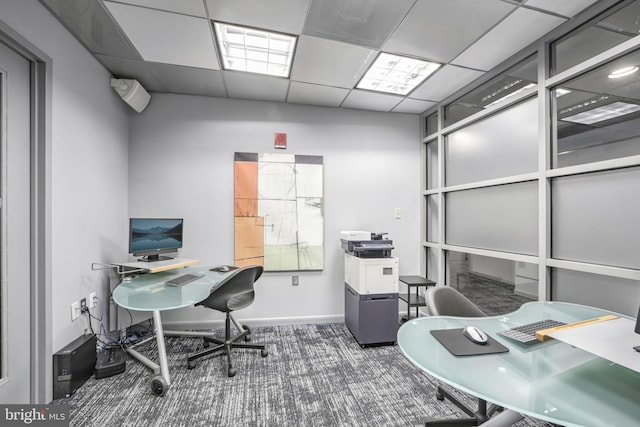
[[552, 381]]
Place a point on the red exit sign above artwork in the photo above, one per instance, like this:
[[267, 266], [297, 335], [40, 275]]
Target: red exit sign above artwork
[[280, 141]]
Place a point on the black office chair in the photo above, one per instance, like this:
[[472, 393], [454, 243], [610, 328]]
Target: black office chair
[[233, 293], [447, 301]]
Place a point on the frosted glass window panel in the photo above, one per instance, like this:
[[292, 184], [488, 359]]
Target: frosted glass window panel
[[432, 218], [595, 218], [432, 165], [502, 145], [502, 218], [609, 293]]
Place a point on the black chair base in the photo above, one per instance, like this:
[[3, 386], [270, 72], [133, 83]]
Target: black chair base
[[476, 418], [226, 346]]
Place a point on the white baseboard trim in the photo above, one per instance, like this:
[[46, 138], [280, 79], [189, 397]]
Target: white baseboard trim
[[189, 325], [525, 294]]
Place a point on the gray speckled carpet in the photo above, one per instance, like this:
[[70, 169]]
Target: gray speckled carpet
[[315, 375]]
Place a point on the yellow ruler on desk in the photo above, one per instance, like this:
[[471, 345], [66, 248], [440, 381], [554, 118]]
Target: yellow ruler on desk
[[543, 335]]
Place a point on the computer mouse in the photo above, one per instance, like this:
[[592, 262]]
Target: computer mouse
[[223, 268], [475, 334]]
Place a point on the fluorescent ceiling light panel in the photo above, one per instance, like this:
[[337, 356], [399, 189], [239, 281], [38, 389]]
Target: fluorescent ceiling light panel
[[255, 51], [600, 114], [623, 72], [396, 74]]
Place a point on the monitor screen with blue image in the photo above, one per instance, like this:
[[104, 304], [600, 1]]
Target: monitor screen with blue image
[[150, 237]]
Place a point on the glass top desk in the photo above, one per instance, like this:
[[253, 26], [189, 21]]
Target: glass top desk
[[148, 292], [552, 380]]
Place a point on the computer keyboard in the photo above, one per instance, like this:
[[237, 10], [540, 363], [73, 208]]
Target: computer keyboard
[[184, 279], [526, 334]]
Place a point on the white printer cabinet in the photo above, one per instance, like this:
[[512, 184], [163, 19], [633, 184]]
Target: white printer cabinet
[[371, 275]]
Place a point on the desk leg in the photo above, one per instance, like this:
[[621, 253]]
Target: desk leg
[[505, 418], [162, 349], [160, 383]]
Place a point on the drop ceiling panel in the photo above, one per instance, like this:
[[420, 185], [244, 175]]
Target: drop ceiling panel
[[329, 62], [439, 30], [413, 106], [569, 8], [92, 25], [254, 86], [169, 45], [444, 82], [165, 37], [363, 22], [371, 101], [189, 81], [305, 93], [187, 7], [286, 16], [513, 34]]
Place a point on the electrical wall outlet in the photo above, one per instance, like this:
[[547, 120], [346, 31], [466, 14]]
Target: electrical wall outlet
[[93, 299], [294, 280], [75, 310], [83, 304]]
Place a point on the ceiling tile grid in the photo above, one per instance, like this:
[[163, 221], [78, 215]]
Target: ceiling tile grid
[[170, 46], [166, 37]]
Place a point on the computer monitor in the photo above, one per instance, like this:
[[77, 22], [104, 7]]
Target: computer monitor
[[638, 323], [150, 237]]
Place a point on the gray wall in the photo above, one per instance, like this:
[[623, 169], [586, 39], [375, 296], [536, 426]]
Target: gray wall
[[181, 165], [88, 175]]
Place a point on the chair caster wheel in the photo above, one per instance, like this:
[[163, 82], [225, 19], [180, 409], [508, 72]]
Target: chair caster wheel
[[191, 365], [248, 336], [206, 344], [159, 386], [439, 396], [231, 372], [264, 353]]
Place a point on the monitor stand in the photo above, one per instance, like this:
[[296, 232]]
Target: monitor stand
[[154, 258]]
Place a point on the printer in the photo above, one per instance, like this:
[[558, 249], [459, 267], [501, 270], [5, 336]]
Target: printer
[[363, 244], [371, 287]]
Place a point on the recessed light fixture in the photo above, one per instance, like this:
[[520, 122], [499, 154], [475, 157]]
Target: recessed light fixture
[[255, 51], [396, 74], [623, 72], [605, 112]]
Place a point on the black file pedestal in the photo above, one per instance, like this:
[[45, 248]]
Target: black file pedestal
[[371, 318]]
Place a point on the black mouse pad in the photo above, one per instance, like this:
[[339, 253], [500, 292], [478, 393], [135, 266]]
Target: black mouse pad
[[459, 345]]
